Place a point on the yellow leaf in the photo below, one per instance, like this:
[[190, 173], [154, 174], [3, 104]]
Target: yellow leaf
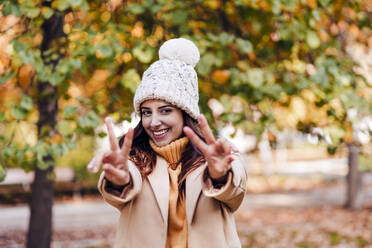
[[213, 4], [105, 17], [126, 57]]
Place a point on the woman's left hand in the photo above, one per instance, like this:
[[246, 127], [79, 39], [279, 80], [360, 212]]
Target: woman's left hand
[[217, 152]]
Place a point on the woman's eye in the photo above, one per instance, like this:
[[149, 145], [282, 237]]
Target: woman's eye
[[166, 111], [146, 113]]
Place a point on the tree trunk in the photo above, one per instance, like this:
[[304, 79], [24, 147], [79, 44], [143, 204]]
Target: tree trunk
[[354, 193], [40, 225]]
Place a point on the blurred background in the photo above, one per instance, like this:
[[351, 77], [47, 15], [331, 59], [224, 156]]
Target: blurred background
[[289, 82]]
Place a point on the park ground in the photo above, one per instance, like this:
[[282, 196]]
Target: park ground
[[286, 209]]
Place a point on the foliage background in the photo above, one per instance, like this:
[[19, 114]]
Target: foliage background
[[266, 65]]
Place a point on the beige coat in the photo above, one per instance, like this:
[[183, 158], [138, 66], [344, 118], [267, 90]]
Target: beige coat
[[209, 211]]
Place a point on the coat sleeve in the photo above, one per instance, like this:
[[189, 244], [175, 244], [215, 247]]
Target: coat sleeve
[[232, 193], [128, 193]]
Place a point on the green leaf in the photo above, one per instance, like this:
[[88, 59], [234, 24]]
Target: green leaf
[[10, 8], [102, 134], [136, 9], [56, 78], [18, 113], [27, 57], [131, 80], [66, 127], [276, 7], [145, 56], [63, 66], [69, 112], [179, 17], [2, 116], [245, 46], [316, 14], [89, 121], [32, 12], [26, 102], [2, 173], [312, 39], [105, 50], [75, 3], [5, 78], [47, 12], [225, 38], [324, 3], [205, 64], [227, 103], [57, 150], [62, 4], [20, 46], [255, 77], [76, 63]]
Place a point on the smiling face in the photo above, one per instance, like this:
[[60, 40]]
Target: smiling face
[[162, 121]]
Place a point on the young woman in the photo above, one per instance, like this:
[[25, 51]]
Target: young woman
[[174, 183]]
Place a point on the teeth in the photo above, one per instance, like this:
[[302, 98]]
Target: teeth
[[161, 132]]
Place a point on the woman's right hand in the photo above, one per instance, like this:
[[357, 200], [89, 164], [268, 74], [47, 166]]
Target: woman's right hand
[[115, 161]]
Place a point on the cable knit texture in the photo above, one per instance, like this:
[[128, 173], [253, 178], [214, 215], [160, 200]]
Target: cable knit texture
[[172, 78], [177, 222]]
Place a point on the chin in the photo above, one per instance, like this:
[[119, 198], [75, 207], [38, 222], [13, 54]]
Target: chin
[[163, 142]]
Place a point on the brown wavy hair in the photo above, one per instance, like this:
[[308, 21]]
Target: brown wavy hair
[[144, 157]]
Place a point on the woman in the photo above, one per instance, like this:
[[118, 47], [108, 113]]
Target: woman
[[173, 182]]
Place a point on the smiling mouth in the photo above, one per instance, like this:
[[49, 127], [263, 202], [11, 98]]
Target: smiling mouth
[[160, 133]]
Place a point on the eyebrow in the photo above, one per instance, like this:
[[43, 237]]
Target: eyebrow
[[161, 107]]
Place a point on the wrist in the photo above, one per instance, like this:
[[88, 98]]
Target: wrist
[[218, 180], [124, 182]]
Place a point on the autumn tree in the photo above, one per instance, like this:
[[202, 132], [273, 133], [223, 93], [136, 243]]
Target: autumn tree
[[271, 64]]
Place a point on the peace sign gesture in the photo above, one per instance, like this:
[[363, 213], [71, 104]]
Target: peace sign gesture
[[115, 162], [216, 152]]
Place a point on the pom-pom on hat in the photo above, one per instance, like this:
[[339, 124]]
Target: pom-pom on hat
[[172, 78]]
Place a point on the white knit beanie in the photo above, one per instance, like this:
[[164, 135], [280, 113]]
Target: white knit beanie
[[172, 78]]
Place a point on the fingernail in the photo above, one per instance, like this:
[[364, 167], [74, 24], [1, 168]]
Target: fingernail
[[92, 169], [108, 119]]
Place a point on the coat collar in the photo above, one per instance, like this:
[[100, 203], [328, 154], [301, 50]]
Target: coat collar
[[159, 181]]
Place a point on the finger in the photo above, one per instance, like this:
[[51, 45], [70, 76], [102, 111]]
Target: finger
[[203, 147], [115, 175], [234, 149], [220, 148], [219, 170], [227, 162], [206, 130], [95, 163], [113, 141], [226, 146], [110, 172], [125, 149]]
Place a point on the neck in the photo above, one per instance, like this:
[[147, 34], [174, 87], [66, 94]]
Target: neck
[[172, 152]]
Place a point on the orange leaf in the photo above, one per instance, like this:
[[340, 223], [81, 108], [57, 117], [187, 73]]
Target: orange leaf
[[25, 75], [312, 3], [221, 76]]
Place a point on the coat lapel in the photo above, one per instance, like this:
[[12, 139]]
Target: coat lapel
[[193, 189], [159, 181]]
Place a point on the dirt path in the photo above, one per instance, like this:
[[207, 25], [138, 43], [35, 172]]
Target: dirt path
[[311, 218]]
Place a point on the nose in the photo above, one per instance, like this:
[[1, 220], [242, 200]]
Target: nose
[[155, 121]]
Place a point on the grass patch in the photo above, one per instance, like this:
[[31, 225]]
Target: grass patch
[[306, 244]]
